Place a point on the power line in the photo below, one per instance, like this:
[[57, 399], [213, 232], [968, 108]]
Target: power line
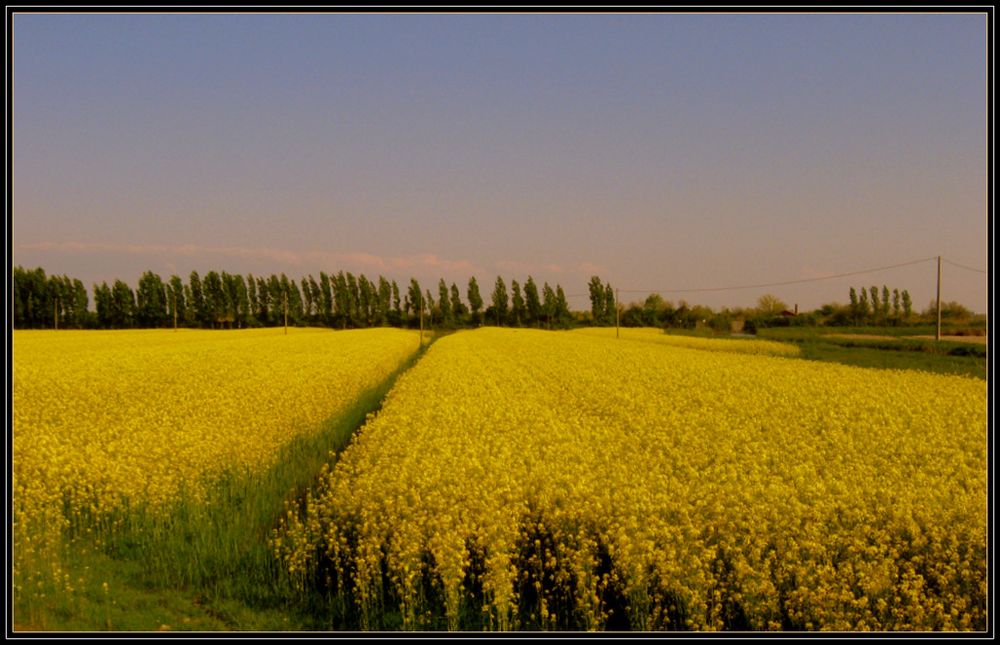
[[780, 284], [961, 266]]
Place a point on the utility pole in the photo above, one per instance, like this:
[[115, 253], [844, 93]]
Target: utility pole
[[284, 302], [617, 310], [937, 336]]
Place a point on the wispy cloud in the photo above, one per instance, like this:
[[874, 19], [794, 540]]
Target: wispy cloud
[[529, 268], [302, 260]]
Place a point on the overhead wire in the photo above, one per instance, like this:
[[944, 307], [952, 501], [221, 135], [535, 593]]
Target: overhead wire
[[779, 284]]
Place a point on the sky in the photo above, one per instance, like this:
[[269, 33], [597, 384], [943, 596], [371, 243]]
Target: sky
[[663, 152]]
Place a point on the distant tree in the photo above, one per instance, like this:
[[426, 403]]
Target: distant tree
[[384, 301], [176, 302], [444, 304], [416, 299], [307, 299], [532, 303], [475, 300], [499, 301], [251, 303], [295, 314], [651, 308], [597, 304], [562, 314], [885, 304], [366, 301], [517, 310], [240, 296], [907, 305], [199, 305], [896, 306], [548, 304], [83, 316], [949, 311], [458, 309], [863, 306], [151, 301], [769, 305], [610, 304], [325, 298], [633, 315], [397, 312], [429, 306], [102, 302], [216, 299], [876, 311], [264, 302], [122, 305], [353, 300], [855, 306]]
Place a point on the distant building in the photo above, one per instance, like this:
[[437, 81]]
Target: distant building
[[790, 314]]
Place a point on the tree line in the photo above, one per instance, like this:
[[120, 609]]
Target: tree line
[[870, 309], [221, 300]]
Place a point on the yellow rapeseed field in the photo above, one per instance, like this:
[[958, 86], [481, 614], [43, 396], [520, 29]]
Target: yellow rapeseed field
[[559, 480], [106, 423], [653, 335]]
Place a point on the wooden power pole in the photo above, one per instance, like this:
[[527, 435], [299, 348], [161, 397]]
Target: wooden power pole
[[937, 336]]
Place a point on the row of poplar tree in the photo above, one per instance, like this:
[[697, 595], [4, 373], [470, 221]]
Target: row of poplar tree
[[224, 300], [869, 309]]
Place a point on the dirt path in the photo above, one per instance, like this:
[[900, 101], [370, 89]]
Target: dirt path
[[978, 340]]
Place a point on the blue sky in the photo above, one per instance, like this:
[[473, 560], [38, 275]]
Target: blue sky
[[660, 151]]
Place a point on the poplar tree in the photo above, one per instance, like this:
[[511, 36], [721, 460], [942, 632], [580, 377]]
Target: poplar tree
[[597, 305], [416, 301], [458, 309], [198, 304], [532, 303], [307, 301], [516, 303], [561, 307], [102, 302], [907, 305], [353, 298], [548, 303], [885, 303], [325, 298], [499, 300], [176, 301], [397, 311], [384, 301], [429, 305], [475, 300], [264, 302], [341, 300], [122, 305], [444, 304], [366, 300], [151, 305]]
